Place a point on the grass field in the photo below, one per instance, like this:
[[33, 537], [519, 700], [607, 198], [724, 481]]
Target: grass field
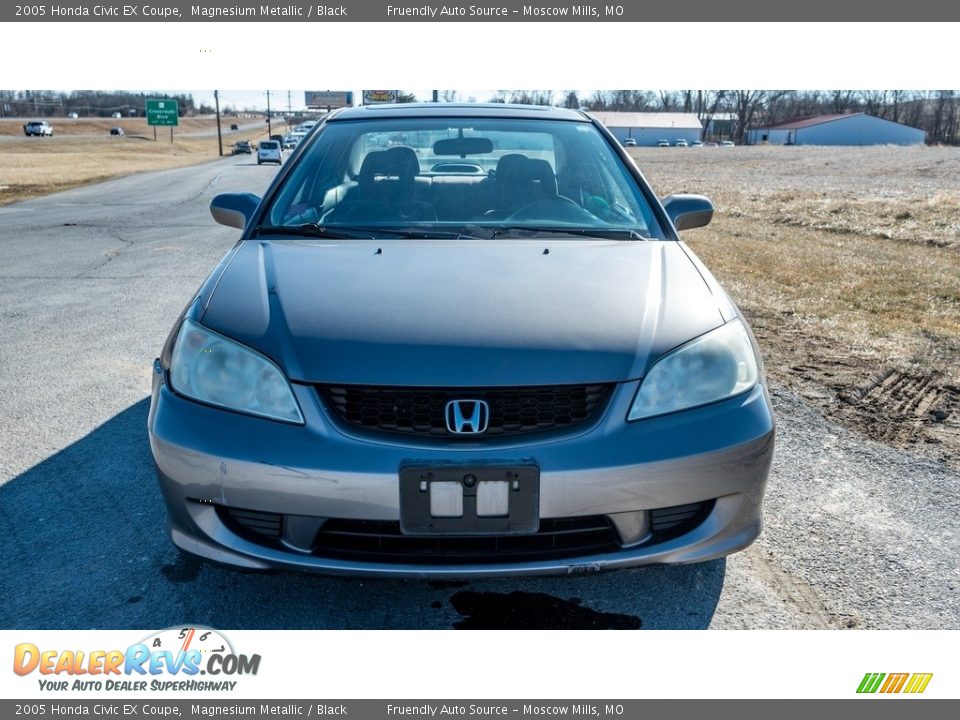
[[847, 262], [83, 151]]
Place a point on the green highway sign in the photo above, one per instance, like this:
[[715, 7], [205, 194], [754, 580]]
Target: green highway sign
[[162, 112]]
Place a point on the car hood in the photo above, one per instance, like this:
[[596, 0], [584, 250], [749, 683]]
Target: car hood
[[461, 313]]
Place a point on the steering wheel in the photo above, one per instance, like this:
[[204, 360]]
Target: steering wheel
[[555, 209], [302, 215]]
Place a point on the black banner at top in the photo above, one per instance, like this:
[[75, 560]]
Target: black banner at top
[[479, 11]]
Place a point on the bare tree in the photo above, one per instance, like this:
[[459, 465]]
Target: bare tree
[[841, 100], [750, 106], [708, 102], [875, 102]]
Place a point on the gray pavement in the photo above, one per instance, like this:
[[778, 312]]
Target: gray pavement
[[858, 535]]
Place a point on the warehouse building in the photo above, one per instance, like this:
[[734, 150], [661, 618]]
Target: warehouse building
[[649, 128], [850, 129]]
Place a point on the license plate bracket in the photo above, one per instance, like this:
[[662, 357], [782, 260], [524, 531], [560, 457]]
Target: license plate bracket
[[493, 500]]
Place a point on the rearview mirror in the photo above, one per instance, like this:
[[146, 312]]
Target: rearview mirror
[[234, 209], [688, 211], [463, 146]]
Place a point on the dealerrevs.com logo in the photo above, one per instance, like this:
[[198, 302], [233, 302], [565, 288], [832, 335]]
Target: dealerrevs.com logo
[[172, 659]]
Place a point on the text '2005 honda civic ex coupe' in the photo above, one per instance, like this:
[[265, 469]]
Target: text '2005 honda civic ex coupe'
[[460, 340]]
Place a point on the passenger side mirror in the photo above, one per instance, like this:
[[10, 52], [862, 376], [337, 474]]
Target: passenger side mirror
[[234, 209], [688, 211]]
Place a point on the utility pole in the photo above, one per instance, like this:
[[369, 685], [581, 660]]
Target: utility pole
[[216, 98], [269, 129]]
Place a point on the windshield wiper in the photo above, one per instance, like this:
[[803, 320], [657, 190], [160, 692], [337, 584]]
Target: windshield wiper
[[315, 230], [353, 232], [603, 233]]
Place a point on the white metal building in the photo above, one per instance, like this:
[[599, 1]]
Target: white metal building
[[851, 129], [650, 128]]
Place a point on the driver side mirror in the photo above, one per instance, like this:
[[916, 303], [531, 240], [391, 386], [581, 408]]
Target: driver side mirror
[[688, 211], [234, 209]]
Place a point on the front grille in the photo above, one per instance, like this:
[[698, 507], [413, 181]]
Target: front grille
[[420, 411], [381, 541]]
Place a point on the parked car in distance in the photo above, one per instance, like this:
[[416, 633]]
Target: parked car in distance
[[38, 128], [269, 151], [73, 115], [726, 143], [663, 143], [697, 143], [680, 142], [234, 126], [399, 372], [117, 115], [242, 147], [117, 131], [630, 142]]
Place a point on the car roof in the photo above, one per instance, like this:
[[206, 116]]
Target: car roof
[[443, 110]]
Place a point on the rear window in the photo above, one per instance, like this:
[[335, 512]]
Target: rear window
[[269, 145], [451, 173]]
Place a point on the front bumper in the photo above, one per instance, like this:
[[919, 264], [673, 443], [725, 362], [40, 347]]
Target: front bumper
[[209, 458]]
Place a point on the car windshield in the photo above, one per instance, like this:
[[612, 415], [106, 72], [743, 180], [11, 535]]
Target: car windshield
[[461, 177]]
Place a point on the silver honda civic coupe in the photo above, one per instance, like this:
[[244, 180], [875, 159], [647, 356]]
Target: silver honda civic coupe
[[454, 341]]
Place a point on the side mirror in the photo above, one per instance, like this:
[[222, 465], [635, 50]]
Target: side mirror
[[234, 209], [688, 211]]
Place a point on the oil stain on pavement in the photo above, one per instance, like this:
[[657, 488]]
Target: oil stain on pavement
[[532, 611]]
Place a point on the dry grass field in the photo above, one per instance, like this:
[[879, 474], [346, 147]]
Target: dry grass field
[[847, 263], [83, 151]]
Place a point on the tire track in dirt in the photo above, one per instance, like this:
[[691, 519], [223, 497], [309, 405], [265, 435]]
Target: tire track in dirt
[[908, 407], [801, 598]]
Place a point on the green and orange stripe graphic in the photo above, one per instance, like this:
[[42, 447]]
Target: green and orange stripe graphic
[[894, 682]]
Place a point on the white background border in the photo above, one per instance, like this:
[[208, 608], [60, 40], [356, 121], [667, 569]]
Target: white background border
[[353, 664]]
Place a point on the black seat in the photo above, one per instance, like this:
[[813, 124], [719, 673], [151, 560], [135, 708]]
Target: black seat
[[521, 181], [385, 192]]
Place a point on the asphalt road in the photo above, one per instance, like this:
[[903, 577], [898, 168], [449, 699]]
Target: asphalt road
[[91, 280]]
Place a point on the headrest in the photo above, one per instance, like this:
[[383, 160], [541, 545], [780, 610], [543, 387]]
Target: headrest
[[519, 173], [399, 161]]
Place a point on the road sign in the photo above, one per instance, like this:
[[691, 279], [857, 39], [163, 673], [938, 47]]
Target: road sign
[[328, 98], [162, 112], [373, 97]]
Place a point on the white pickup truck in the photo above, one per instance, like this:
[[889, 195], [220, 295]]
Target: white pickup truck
[[38, 127]]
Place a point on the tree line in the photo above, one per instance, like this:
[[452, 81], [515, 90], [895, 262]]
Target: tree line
[[87, 103], [935, 111]]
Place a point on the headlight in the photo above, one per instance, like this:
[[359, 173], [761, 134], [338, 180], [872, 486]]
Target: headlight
[[712, 367], [212, 369]]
